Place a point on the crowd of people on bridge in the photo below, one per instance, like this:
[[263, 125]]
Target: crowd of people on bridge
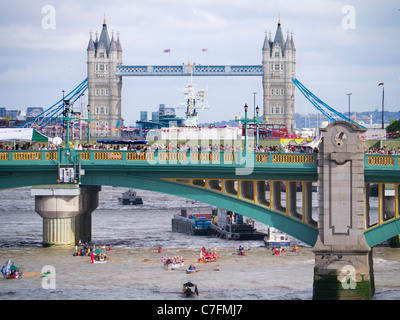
[[232, 148], [384, 150]]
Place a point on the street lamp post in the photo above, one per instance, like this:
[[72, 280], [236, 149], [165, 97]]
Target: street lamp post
[[349, 94], [246, 121], [254, 105], [89, 120], [257, 128], [383, 105], [88, 123], [245, 128], [67, 119]]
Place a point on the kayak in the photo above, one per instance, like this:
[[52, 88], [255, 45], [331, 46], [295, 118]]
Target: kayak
[[101, 261], [191, 271]]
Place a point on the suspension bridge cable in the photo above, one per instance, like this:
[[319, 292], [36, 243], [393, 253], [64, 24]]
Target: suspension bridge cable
[[48, 115], [318, 102]]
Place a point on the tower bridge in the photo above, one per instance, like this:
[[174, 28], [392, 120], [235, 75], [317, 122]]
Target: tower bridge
[[105, 70]]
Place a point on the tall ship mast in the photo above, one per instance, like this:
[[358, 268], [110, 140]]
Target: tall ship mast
[[194, 103]]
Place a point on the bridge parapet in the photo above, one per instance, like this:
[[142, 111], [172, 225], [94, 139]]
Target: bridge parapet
[[371, 161], [23, 157]]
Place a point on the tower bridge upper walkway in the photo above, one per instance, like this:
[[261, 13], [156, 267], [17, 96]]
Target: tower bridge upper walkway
[[273, 188], [189, 70]]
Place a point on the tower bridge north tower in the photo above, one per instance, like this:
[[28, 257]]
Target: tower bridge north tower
[[104, 86], [279, 67]]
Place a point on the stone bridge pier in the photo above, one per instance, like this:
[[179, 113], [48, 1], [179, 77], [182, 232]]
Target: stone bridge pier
[[67, 212], [343, 260]]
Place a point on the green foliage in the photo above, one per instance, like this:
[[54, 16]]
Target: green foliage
[[393, 129]]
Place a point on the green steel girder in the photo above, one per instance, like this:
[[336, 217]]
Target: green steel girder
[[378, 234]]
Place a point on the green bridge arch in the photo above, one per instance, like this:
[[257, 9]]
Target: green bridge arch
[[141, 175]]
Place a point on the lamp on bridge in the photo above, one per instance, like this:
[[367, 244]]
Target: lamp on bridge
[[349, 94], [245, 128], [257, 127], [89, 120], [255, 121], [88, 123], [67, 120]]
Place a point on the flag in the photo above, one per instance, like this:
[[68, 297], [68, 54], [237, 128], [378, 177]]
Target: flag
[[381, 84], [204, 49], [200, 95], [167, 50], [6, 269]]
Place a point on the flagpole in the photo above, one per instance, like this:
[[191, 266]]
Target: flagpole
[[383, 103]]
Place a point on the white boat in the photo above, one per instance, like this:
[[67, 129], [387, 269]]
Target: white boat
[[173, 265], [276, 238]]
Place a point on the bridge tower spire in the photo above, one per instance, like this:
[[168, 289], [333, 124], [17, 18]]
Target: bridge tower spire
[[279, 66], [103, 57]]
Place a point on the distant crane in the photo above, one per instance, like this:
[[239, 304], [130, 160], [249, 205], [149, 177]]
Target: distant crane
[[354, 117]]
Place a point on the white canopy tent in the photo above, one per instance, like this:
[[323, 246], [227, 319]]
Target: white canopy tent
[[22, 135], [313, 144]]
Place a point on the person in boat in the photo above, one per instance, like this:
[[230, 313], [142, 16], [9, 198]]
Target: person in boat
[[241, 250], [15, 273], [10, 271], [192, 268]]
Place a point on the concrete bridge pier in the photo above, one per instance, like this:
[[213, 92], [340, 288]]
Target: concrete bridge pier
[[343, 260], [67, 212]]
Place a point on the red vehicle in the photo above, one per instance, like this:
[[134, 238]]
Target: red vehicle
[[266, 130]]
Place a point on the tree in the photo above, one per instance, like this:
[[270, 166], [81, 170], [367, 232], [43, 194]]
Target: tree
[[393, 129]]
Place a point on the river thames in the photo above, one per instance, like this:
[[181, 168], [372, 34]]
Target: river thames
[[136, 272]]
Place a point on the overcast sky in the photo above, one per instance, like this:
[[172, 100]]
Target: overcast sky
[[342, 47]]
